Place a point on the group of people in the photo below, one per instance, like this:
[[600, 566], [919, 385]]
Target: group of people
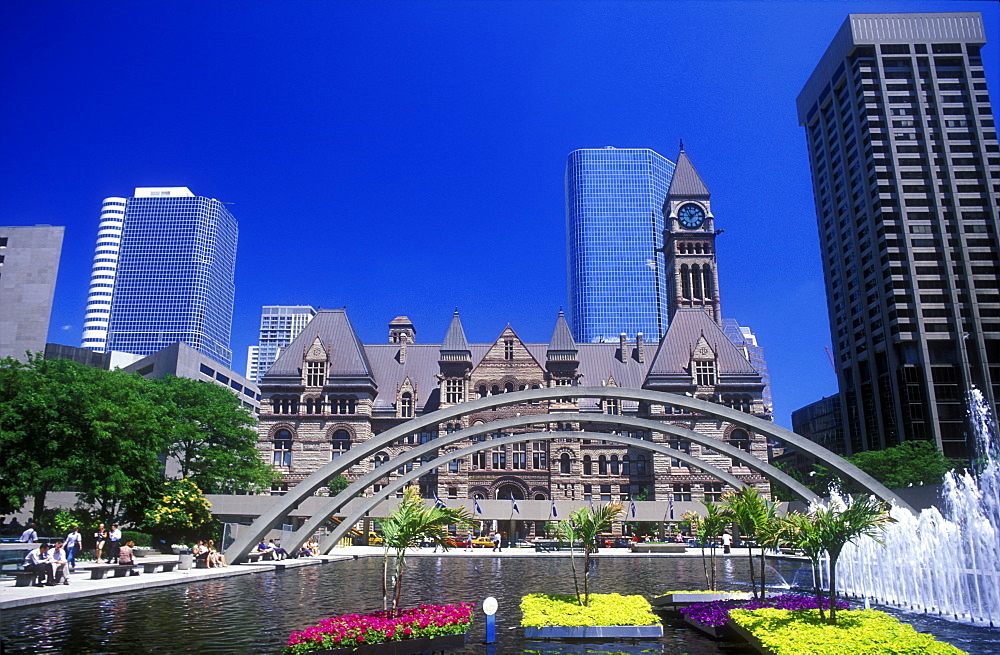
[[269, 547], [207, 553], [110, 539], [51, 566]]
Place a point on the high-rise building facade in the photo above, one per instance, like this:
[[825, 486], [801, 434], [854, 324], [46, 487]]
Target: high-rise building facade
[[172, 275], [29, 261], [906, 176], [614, 225], [279, 324]]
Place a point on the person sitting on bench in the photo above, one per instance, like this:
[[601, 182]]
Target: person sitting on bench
[[264, 549], [60, 564], [39, 562], [125, 554], [279, 552]]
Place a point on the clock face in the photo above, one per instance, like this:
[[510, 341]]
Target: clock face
[[691, 216]]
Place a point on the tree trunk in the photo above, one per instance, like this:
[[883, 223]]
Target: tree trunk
[[576, 581], [586, 576], [819, 597], [753, 579], [704, 565], [762, 551], [385, 580], [38, 507], [833, 588], [399, 583]]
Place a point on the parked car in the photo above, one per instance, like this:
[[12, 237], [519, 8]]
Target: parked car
[[455, 542], [374, 539], [482, 542]]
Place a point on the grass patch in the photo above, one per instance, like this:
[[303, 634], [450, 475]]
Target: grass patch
[[801, 632], [543, 610]]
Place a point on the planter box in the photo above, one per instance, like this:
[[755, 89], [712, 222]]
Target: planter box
[[713, 631], [659, 548], [691, 597], [145, 552], [744, 634], [404, 647], [597, 631]]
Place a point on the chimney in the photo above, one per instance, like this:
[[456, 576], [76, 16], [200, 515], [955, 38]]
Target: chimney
[[639, 355], [402, 348], [622, 341]]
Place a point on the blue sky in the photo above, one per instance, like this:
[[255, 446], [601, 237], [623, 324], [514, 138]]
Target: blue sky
[[408, 157]]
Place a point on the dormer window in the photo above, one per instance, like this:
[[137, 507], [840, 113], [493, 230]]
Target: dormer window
[[315, 374], [508, 349], [704, 373]]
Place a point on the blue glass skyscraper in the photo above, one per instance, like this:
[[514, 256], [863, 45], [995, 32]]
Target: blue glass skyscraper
[[174, 275], [614, 230]]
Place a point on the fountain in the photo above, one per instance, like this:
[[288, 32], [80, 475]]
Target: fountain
[[945, 564]]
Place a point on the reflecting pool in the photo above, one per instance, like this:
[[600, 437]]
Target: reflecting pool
[[256, 613]]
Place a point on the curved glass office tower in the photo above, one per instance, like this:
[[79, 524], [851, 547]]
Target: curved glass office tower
[[174, 279], [614, 229]]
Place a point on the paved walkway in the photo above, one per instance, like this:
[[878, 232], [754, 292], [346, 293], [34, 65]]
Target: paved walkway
[[81, 586]]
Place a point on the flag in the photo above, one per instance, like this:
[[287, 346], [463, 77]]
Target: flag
[[513, 505], [591, 501], [555, 514], [631, 508], [475, 503], [671, 508], [439, 503]]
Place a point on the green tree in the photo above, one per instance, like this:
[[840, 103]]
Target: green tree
[[413, 522], [210, 434], [909, 463], [838, 526], [708, 527], [750, 512], [337, 484], [182, 511], [799, 531], [586, 525]]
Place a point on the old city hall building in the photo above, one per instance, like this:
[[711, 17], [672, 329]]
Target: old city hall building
[[328, 392]]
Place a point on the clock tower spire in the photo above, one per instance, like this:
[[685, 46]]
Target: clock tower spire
[[689, 243]]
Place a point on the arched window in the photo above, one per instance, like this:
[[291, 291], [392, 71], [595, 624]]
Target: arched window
[[340, 443], [564, 463], [482, 391], [602, 465], [381, 459], [685, 281], [696, 277], [508, 388], [588, 468], [282, 448], [640, 465], [740, 439], [495, 390], [614, 465], [406, 405], [540, 497], [626, 465]]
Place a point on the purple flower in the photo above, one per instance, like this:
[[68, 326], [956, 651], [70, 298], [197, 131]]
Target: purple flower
[[716, 613]]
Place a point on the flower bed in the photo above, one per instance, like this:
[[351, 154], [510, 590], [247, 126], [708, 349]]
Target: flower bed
[[557, 616], [358, 630], [716, 613], [789, 632]]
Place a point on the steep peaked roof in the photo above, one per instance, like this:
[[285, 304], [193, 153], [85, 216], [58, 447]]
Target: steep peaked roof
[[687, 328], [686, 181], [455, 339], [347, 354], [562, 338]]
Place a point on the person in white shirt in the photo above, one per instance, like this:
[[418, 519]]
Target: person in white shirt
[[29, 536], [39, 562], [60, 565], [115, 537], [74, 542], [727, 542]]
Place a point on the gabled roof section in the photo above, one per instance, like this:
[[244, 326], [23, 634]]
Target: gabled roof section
[[688, 328], [454, 340], [333, 329], [562, 338], [686, 182]]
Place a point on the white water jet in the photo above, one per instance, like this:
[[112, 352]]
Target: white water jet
[[944, 564]]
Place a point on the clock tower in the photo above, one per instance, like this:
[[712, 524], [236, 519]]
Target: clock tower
[[689, 243]]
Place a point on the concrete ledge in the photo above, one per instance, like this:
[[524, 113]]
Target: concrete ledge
[[595, 632], [691, 597], [658, 548]]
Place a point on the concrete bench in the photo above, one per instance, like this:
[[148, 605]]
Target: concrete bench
[[255, 555], [22, 578], [120, 570], [150, 567]]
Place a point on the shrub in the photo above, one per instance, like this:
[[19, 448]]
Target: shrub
[[540, 610], [798, 632], [141, 539]]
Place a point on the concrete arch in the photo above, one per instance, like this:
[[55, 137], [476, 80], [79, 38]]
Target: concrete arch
[[309, 527], [354, 489], [305, 488]]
